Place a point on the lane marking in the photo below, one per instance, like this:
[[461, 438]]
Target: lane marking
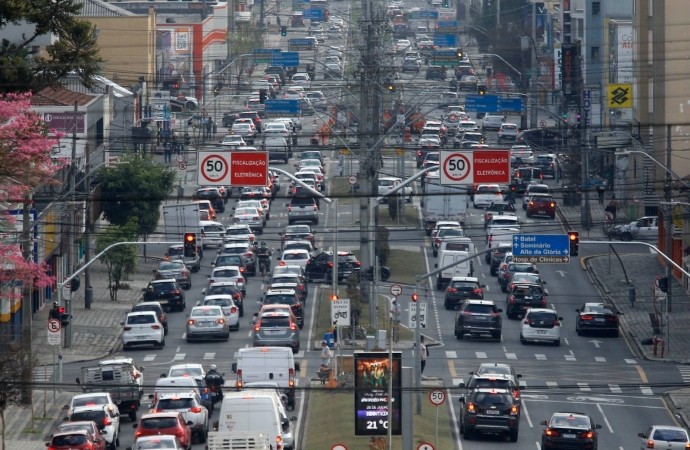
[[149, 358], [584, 387], [481, 355], [552, 384], [522, 383], [179, 356], [451, 354], [615, 389], [599, 359], [457, 381], [566, 341], [209, 355], [646, 390], [511, 356], [570, 358], [529, 419], [451, 369], [456, 424], [643, 376], [631, 361], [540, 357], [606, 420]]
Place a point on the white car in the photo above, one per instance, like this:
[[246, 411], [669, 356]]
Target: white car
[[402, 45], [292, 94], [91, 399], [665, 437], [320, 177], [190, 406], [317, 99], [186, 370], [468, 125], [301, 79], [245, 130], [492, 122], [521, 154], [233, 140], [541, 325], [142, 328], [249, 216], [227, 273], [107, 417], [295, 257], [239, 233], [508, 132], [486, 194], [262, 207], [276, 128], [441, 224], [231, 311], [388, 183], [307, 177]]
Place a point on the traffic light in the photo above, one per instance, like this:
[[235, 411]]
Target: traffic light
[[574, 238], [415, 297], [391, 87], [64, 317], [481, 90], [262, 96], [216, 91], [283, 30], [565, 117], [446, 3], [189, 245], [460, 53], [334, 297]]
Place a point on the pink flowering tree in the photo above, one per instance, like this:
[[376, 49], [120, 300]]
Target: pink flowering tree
[[26, 162]]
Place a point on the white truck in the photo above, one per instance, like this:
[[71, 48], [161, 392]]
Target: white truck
[[443, 203], [180, 219], [121, 378]]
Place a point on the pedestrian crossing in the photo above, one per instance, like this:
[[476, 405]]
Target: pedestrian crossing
[[43, 374], [684, 373], [209, 356], [532, 388], [570, 357]]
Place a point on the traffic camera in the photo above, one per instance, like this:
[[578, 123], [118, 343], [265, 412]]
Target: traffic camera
[[574, 238], [283, 30], [189, 245]]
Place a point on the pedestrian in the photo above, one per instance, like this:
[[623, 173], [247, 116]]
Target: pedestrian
[[613, 206], [600, 190], [483, 65], [175, 143], [325, 355], [341, 161], [423, 181], [214, 127], [395, 316], [167, 151], [209, 127], [423, 353], [278, 20], [324, 134]]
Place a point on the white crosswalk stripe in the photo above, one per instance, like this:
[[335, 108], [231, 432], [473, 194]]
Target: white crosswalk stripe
[[570, 358], [511, 356], [646, 390], [209, 355], [481, 355], [631, 361], [179, 356], [599, 359], [451, 354], [684, 373], [615, 389], [584, 387], [43, 374], [149, 358], [552, 384], [540, 357]]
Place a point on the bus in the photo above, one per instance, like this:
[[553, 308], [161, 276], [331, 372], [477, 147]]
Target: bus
[[323, 6]]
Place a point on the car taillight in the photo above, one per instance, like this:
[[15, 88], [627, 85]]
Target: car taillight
[[176, 292], [138, 433], [495, 314], [220, 321], [289, 208], [477, 291], [507, 275], [241, 269], [156, 327], [543, 301], [503, 267], [612, 319], [516, 393], [211, 281], [553, 205], [128, 328], [257, 326], [531, 203], [556, 323], [552, 433], [512, 299], [184, 273], [514, 410], [158, 276], [586, 317], [293, 326], [315, 208], [450, 289], [358, 263], [489, 216], [650, 444], [237, 295], [282, 263], [190, 322], [330, 264], [527, 321], [587, 435], [233, 310], [107, 421], [471, 408], [438, 241], [291, 377], [195, 409]]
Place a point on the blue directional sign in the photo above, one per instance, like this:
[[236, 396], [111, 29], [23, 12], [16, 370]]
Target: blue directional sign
[[543, 248], [447, 24], [295, 45], [482, 103], [282, 106], [512, 104], [312, 14], [263, 55], [428, 14], [287, 59], [445, 40]]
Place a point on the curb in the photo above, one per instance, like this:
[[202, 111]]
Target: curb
[[679, 413]]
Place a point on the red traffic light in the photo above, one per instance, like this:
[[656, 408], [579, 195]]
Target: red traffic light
[[415, 297], [573, 235], [189, 237], [61, 310], [334, 297]]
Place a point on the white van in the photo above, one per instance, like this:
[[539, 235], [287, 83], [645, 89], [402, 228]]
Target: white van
[[457, 244], [499, 235], [267, 364], [464, 269], [256, 411]]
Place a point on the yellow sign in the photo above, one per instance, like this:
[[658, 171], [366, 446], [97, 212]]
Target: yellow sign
[[677, 217], [345, 151], [399, 152], [620, 96]]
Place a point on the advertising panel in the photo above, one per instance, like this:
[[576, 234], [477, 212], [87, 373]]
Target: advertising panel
[[624, 74], [372, 376]]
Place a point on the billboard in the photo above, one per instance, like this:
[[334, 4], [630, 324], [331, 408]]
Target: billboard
[[570, 74], [372, 376], [624, 46]]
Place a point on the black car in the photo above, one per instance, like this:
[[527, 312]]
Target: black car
[[496, 256], [460, 289], [498, 209], [213, 195], [320, 267], [492, 381], [523, 297], [155, 307], [422, 152], [231, 260], [597, 317], [435, 73], [547, 164], [540, 138], [570, 430], [254, 115], [229, 118], [167, 292], [478, 317], [491, 411], [228, 288]]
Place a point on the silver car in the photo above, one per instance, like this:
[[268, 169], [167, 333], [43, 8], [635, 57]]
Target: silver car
[[276, 329], [231, 311], [240, 233], [249, 216], [227, 273], [176, 252], [207, 322], [174, 269]]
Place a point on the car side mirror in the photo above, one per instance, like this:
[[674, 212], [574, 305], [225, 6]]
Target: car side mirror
[[483, 285], [298, 367], [641, 435], [543, 422], [154, 271], [122, 323], [519, 375], [208, 276], [134, 425], [597, 426], [471, 373], [544, 282], [66, 419], [213, 264], [461, 399], [577, 310], [164, 375], [560, 318], [47, 444]]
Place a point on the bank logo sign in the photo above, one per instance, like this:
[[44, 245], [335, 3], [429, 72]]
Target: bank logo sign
[[620, 96]]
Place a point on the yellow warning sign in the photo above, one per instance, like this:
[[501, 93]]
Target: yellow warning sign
[[620, 96]]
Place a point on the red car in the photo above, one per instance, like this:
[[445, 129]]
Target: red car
[[91, 427], [164, 423], [541, 205], [73, 440]]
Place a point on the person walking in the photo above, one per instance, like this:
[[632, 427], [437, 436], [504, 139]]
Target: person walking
[[325, 355], [600, 190], [323, 131], [341, 161], [423, 353], [167, 151], [613, 206]]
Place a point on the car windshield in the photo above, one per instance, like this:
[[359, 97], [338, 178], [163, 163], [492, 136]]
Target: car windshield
[[279, 299], [226, 273], [237, 232], [539, 190], [502, 370], [464, 285], [69, 440], [479, 309], [458, 246], [160, 443], [502, 207], [521, 268], [163, 287], [277, 322], [670, 435], [543, 159], [489, 399], [295, 256], [526, 277], [90, 401], [542, 318], [89, 416], [217, 302], [228, 260], [219, 289], [175, 403], [509, 126], [570, 422], [206, 312], [488, 383], [141, 319], [158, 422], [488, 190], [213, 228], [170, 266], [175, 251], [530, 291], [299, 246], [601, 309], [524, 173], [503, 221]]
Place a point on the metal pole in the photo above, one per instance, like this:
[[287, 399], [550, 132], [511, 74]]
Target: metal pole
[[417, 346], [54, 367], [377, 280], [535, 67], [406, 409], [436, 430], [70, 225], [390, 386], [669, 223], [27, 307]]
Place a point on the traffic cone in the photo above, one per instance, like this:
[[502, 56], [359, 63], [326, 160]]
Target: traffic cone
[[331, 381]]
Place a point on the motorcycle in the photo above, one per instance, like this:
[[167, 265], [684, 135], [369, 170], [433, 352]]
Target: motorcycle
[[384, 273], [215, 385]]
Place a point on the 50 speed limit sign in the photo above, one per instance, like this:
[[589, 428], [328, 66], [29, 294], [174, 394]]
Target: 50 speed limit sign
[[456, 167], [437, 397], [214, 169]]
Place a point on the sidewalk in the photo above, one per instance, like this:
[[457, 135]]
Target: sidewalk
[[570, 216], [679, 402]]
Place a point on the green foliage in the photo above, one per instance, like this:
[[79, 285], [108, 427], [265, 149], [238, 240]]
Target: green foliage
[[135, 190], [122, 260], [75, 51]]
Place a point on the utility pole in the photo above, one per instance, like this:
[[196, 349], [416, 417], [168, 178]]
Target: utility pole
[[534, 69], [27, 310], [88, 291], [581, 127], [70, 225], [668, 216]]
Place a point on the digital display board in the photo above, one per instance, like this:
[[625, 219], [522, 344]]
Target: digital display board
[[372, 376]]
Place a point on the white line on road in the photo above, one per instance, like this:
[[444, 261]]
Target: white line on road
[[481, 355], [456, 429], [451, 354], [571, 352], [631, 361], [584, 387], [523, 384], [524, 408], [488, 289], [149, 358], [606, 420], [646, 390], [570, 358], [457, 381], [184, 336], [552, 384], [615, 389], [249, 333], [433, 298], [209, 355], [180, 348], [511, 356], [566, 341], [311, 324], [599, 359], [179, 356], [540, 357]]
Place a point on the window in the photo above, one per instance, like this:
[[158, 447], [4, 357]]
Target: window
[[596, 8], [595, 53]]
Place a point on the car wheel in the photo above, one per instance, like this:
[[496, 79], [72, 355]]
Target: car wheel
[[468, 433], [165, 331], [523, 341], [615, 333], [458, 335], [496, 336], [226, 338], [202, 437], [133, 415], [117, 438], [514, 435], [504, 288], [162, 344], [493, 272], [557, 343], [445, 305]]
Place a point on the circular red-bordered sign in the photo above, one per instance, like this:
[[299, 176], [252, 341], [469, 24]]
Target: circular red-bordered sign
[[338, 447], [437, 397], [214, 168], [457, 167]]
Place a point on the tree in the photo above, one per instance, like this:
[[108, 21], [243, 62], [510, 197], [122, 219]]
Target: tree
[[135, 190], [14, 363], [75, 51], [26, 146], [122, 260]]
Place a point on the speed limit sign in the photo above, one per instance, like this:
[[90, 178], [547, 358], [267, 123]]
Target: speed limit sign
[[214, 169], [437, 397], [456, 167]]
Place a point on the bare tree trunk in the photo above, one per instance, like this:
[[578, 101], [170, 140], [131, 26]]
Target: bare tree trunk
[[2, 419]]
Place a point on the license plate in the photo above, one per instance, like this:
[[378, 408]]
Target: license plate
[[524, 307], [205, 324], [541, 332], [493, 412], [143, 337], [542, 212], [274, 332], [480, 318], [599, 319], [569, 436]]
